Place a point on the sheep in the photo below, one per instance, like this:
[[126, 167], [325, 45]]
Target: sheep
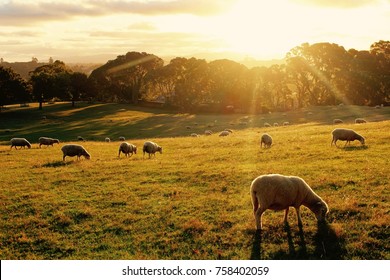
[[337, 121], [122, 138], [229, 130], [267, 124], [151, 148], [127, 149], [279, 192], [80, 138], [276, 124], [208, 132], [224, 133], [344, 134], [72, 150], [47, 141], [267, 140], [194, 135], [360, 120], [20, 142], [286, 123], [107, 139]]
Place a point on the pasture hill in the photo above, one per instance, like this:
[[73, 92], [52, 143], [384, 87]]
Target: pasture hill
[[192, 201]]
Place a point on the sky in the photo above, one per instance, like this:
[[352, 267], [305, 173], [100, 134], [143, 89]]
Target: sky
[[99, 30]]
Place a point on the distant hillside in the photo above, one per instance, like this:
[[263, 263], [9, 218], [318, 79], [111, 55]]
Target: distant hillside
[[24, 68]]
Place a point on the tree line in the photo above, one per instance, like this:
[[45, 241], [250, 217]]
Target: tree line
[[314, 74]]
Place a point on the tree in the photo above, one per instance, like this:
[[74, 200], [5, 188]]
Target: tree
[[51, 80], [13, 89], [125, 75]]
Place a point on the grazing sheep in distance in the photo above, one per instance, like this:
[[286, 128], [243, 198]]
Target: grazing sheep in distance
[[107, 139], [337, 121], [208, 132], [267, 140], [229, 130], [276, 124], [267, 124], [20, 142], [224, 133], [194, 135], [344, 134], [278, 192], [72, 150], [127, 149], [47, 141], [360, 120], [121, 138], [151, 148], [80, 138], [286, 123]]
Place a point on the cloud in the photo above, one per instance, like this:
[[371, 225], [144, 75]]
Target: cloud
[[338, 3], [22, 12]]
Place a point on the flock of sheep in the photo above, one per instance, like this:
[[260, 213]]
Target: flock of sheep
[[273, 191], [72, 150]]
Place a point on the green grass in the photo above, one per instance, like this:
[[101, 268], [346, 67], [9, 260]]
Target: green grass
[[192, 201]]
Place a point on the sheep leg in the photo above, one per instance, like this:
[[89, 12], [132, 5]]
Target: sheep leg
[[258, 214], [299, 216], [285, 215]]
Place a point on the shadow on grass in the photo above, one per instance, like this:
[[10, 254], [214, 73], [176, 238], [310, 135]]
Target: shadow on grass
[[355, 148], [327, 245], [57, 163]]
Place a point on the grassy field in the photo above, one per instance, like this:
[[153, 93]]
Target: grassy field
[[192, 201]]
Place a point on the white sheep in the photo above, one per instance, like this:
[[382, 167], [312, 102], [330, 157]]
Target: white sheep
[[151, 148], [72, 150], [20, 142], [47, 141], [208, 132], [224, 133], [122, 138], [278, 192], [107, 139], [266, 139], [80, 138], [344, 134], [194, 135], [267, 124], [337, 121], [360, 120], [127, 149], [286, 123]]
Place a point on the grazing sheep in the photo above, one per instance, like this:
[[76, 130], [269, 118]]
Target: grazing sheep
[[194, 135], [151, 148], [337, 121], [107, 139], [20, 142], [360, 120], [47, 141], [267, 124], [286, 123], [72, 150], [127, 149], [276, 124], [278, 192], [344, 134], [229, 130], [122, 138], [208, 132], [224, 133], [80, 138], [267, 140]]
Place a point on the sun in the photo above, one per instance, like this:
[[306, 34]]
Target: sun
[[260, 29]]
